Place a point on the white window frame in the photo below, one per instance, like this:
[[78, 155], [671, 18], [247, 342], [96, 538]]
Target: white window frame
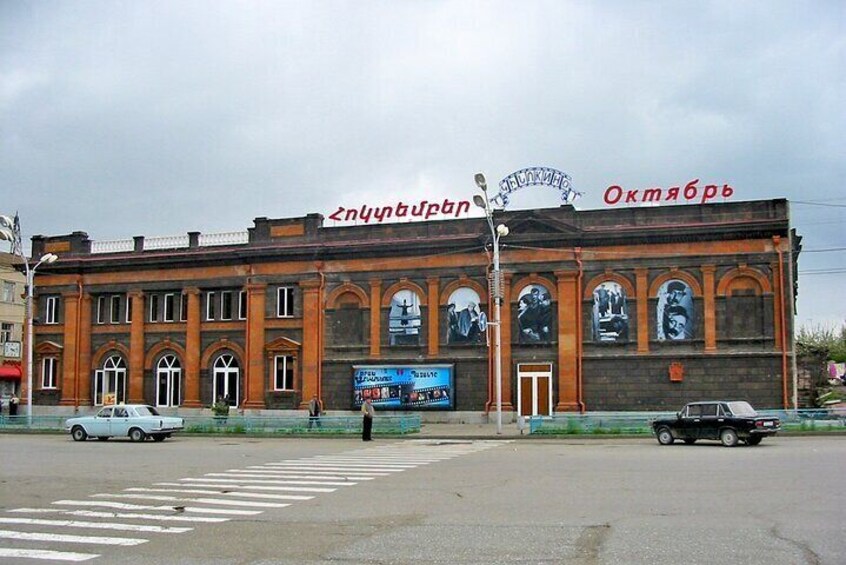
[[8, 291], [169, 369], [227, 368], [51, 314], [225, 301], [284, 307], [7, 329], [183, 307], [210, 306], [169, 303], [49, 368], [114, 309], [154, 307], [128, 309], [285, 360], [242, 305], [101, 309]]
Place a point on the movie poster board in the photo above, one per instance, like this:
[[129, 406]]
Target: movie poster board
[[404, 387]]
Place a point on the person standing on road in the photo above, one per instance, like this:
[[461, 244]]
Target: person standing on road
[[367, 422], [315, 409], [13, 405]]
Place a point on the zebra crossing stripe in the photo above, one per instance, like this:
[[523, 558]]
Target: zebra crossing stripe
[[220, 501], [230, 484], [290, 473], [223, 493], [125, 506], [93, 514], [95, 525], [294, 475], [289, 481], [46, 554], [336, 468], [39, 536], [347, 467]]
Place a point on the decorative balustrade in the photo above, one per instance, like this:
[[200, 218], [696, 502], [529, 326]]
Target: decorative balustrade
[[165, 242], [112, 246], [226, 238]]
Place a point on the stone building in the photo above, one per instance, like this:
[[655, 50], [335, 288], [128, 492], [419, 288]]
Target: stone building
[[614, 309], [11, 325]]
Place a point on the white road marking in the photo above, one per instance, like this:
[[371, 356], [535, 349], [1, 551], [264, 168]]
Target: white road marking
[[230, 484], [92, 514], [223, 493], [39, 536], [125, 506], [289, 481], [95, 525], [287, 473], [350, 467], [45, 554], [220, 501], [336, 468]]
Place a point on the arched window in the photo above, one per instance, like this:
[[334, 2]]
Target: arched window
[[110, 382], [610, 313], [168, 381], [227, 379], [463, 317], [534, 314], [675, 314], [404, 318]]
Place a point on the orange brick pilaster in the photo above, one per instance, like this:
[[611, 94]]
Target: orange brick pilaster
[[192, 349], [70, 353], [83, 386], [310, 359], [136, 348], [255, 377], [642, 291], [568, 400], [708, 291], [434, 311], [505, 342], [375, 317]]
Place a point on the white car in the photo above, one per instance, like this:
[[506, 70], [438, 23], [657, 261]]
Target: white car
[[136, 421]]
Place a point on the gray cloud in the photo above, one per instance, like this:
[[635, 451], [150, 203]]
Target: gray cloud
[[129, 118]]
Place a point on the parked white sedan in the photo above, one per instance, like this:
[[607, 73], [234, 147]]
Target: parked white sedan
[[137, 421]]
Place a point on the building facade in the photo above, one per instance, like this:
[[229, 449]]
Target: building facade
[[630, 309], [11, 325]]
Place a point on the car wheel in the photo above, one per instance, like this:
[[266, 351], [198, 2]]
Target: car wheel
[[728, 437], [665, 436], [102, 438], [753, 440], [159, 437], [690, 441], [78, 433], [137, 434]]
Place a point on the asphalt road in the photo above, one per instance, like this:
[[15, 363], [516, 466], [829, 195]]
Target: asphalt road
[[608, 501]]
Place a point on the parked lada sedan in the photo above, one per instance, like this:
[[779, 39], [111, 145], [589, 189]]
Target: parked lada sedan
[[136, 421], [727, 421]]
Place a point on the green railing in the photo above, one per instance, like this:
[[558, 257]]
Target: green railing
[[640, 423], [383, 424]]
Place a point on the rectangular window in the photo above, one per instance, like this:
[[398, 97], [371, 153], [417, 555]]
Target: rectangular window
[[284, 372], [6, 332], [242, 305], [128, 309], [8, 292], [114, 309], [48, 372], [209, 306], [183, 307], [169, 307], [52, 310], [226, 305], [154, 307], [101, 309], [285, 302]]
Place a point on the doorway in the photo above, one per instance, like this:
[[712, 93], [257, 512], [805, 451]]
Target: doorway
[[534, 389]]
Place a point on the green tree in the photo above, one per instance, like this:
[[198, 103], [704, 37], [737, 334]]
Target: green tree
[[825, 340]]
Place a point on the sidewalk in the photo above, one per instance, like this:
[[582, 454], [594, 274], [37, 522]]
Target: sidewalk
[[467, 431]]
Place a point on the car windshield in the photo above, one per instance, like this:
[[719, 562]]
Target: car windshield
[[741, 409], [146, 411]]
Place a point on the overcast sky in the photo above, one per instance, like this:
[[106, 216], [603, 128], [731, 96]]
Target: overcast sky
[[159, 118]]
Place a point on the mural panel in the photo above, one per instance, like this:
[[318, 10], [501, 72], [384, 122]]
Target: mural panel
[[463, 317], [675, 311], [534, 314], [404, 318], [610, 313]]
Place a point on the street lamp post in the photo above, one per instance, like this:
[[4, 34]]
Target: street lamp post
[[10, 231], [481, 200]]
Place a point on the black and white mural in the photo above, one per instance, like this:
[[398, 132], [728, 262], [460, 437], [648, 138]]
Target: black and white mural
[[463, 317], [404, 318], [534, 314], [675, 311], [610, 313]]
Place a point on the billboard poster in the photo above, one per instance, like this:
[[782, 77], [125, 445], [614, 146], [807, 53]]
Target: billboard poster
[[405, 387]]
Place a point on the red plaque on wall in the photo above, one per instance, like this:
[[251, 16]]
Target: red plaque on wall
[[676, 372]]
